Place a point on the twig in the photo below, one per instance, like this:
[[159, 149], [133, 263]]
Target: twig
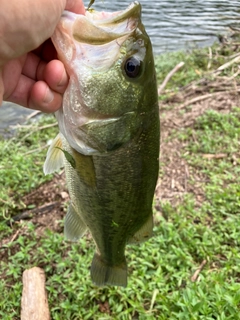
[[197, 272], [6, 241], [35, 113], [40, 128], [235, 74], [206, 96], [214, 156], [4, 201], [168, 77], [35, 150], [29, 213], [210, 58], [47, 126], [15, 235], [228, 64], [233, 56], [234, 29], [186, 176], [59, 174], [155, 293]]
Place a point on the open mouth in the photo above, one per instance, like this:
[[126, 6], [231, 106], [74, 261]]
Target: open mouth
[[103, 27]]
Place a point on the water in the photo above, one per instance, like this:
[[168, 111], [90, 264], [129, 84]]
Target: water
[[10, 115], [172, 25]]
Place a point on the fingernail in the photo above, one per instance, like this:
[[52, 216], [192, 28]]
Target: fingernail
[[49, 96], [63, 80]]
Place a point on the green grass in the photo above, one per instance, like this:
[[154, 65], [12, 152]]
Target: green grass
[[160, 270], [162, 267], [197, 63], [21, 164]]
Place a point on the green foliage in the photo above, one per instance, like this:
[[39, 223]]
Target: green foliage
[[166, 62], [21, 163], [161, 267], [160, 270], [213, 133], [196, 64]]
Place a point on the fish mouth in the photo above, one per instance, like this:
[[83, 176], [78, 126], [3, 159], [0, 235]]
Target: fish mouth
[[89, 46], [111, 18], [103, 27]]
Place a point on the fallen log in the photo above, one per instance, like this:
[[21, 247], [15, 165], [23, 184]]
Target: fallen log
[[34, 303]]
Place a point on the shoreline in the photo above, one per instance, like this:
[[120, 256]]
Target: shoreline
[[189, 269]]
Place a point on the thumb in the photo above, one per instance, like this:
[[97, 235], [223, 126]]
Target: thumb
[[76, 6]]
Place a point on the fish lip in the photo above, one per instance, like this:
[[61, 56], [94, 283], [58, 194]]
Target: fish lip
[[132, 11], [98, 28]]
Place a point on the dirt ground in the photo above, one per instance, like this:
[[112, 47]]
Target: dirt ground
[[180, 111], [178, 175]]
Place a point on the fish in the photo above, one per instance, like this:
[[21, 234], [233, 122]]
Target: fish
[[108, 139]]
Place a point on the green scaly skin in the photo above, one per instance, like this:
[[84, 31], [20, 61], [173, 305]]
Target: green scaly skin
[[112, 189]]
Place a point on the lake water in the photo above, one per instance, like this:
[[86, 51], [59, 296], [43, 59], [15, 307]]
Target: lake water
[[172, 25], [178, 24]]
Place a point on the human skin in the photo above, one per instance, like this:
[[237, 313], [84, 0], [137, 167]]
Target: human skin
[[30, 73]]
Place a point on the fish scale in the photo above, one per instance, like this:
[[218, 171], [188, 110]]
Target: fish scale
[[110, 145]]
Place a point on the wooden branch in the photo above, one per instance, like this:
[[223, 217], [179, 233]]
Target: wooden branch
[[168, 77], [210, 58], [34, 304], [38, 129], [197, 272], [28, 214], [33, 114], [36, 150], [214, 156], [229, 63], [207, 96]]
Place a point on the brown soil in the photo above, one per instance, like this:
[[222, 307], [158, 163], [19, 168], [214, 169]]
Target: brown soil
[[49, 201], [179, 112]]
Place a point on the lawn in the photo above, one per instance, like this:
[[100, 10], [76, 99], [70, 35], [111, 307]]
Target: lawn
[[190, 269]]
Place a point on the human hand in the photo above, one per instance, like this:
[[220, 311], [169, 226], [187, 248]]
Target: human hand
[[30, 74]]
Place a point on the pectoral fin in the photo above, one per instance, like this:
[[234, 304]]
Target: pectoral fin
[[144, 233], [55, 157], [74, 227]]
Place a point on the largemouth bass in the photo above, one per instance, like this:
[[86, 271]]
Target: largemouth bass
[[109, 134]]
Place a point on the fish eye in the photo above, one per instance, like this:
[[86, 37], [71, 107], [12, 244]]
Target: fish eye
[[132, 67]]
